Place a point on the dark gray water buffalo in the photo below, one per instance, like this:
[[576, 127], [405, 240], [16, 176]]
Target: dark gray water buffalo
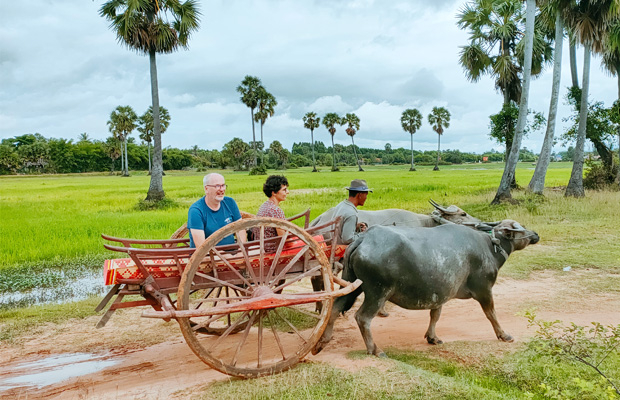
[[421, 269], [398, 217]]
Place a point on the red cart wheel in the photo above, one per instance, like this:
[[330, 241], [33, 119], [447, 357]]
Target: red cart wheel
[[274, 332]]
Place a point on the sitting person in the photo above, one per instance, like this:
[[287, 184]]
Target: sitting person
[[276, 189], [213, 211]]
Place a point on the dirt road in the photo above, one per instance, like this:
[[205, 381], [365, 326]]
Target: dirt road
[[161, 371]]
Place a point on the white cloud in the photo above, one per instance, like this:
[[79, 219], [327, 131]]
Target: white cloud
[[370, 57]]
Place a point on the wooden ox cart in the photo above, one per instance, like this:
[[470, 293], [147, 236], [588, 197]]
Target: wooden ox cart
[[246, 310]]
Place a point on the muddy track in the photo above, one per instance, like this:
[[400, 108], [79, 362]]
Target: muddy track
[[159, 371]]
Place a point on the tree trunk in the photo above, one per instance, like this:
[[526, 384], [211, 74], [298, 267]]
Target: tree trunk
[[573, 62], [537, 184], [122, 159], [253, 136], [156, 187], [126, 173], [412, 165], [503, 192], [575, 183], [148, 146], [334, 168], [313, 160], [438, 147], [262, 152], [356, 159], [618, 128]]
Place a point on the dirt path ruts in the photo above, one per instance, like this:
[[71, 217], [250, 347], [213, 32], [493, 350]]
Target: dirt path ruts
[[158, 371]]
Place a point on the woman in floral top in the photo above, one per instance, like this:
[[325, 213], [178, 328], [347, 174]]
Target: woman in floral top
[[276, 189]]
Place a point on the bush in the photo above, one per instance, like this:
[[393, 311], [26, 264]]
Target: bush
[[258, 170], [599, 175]]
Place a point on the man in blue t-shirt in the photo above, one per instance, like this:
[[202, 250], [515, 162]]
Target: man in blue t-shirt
[[212, 212]]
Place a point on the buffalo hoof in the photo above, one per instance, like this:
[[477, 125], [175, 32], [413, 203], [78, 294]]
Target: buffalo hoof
[[383, 314], [434, 340], [318, 347], [378, 353], [506, 338]]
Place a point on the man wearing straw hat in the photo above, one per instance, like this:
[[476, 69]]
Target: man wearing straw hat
[[347, 209]]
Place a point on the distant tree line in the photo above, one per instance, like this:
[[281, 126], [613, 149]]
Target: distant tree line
[[35, 154]]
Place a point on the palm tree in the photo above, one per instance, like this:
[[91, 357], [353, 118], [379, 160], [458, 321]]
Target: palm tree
[[590, 22], [145, 127], [249, 89], [151, 27], [123, 120], [503, 191], [113, 148], [439, 119], [330, 120], [411, 121], [537, 183], [353, 125], [614, 114], [266, 108], [611, 62], [496, 30], [311, 121]]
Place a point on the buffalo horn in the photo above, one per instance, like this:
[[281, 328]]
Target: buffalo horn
[[439, 207]]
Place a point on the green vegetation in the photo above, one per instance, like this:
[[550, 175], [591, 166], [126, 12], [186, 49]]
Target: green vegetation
[[19, 321], [451, 371]]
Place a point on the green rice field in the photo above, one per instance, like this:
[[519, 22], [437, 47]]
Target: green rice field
[[55, 221]]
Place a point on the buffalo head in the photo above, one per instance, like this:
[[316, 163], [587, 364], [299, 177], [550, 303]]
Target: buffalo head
[[517, 234], [452, 214]]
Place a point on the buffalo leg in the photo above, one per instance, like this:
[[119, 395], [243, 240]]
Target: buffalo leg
[[317, 286], [341, 304], [370, 307], [430, 335], [488, 306]]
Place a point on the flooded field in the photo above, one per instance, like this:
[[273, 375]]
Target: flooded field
[[65, 289]]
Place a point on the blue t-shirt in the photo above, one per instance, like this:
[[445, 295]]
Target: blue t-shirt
[[202, 217]]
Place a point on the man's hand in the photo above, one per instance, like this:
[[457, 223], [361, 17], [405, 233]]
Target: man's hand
[[361, 227]]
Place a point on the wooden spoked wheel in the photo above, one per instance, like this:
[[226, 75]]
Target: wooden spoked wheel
[[264, 281]]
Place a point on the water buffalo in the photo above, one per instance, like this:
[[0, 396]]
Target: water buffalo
[[398, 217], [421, 269]]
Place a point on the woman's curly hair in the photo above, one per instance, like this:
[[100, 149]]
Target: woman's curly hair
[[273, 184]]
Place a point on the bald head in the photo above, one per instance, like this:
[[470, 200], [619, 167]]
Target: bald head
[[210, 177]]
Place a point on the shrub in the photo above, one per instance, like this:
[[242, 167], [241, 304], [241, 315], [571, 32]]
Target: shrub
[[258, 170]]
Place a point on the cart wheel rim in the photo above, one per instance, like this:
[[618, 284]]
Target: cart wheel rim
[[267, 340]]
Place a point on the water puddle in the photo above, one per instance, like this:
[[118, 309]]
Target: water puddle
[[51, 370], [69, 289]]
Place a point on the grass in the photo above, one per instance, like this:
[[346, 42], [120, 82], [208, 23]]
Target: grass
[[451, 371], [53, 225]]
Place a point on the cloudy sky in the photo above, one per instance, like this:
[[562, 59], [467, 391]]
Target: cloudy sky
[[62, 72]]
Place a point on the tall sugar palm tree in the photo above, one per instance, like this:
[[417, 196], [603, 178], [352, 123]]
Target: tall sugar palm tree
[[590, 21], [249, 90], [439, 119], [411, 121], [611, 62], [551, 16], [123, 120], [503, 191], [311, 121], [496, 29], [266, 108], [151, 27], [353, 125], [330, 120], [145, 127]]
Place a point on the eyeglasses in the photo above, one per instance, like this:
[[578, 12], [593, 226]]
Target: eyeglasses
[[222, 186]]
